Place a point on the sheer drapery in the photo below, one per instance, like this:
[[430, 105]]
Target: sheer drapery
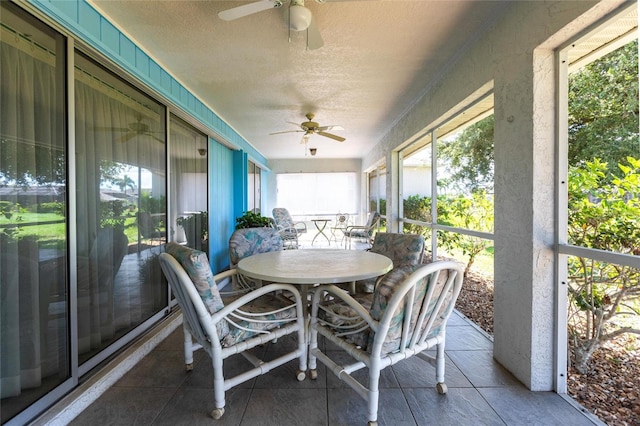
[[119, 135], [32, 253], [189, 183]]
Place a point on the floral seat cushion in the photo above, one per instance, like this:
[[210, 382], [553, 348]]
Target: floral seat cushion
[[402, 249], [196, 264], [385, 291], [249, 241], [264, 313], [342, 316]]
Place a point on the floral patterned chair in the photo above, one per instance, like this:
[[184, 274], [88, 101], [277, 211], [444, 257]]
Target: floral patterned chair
[[224, 328], [365, 232], [289, 230], [247, 242], [402, 249], [406, 315]]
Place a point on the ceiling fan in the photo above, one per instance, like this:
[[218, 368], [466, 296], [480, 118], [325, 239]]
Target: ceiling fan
[[300, 18], [133, 129], [312, 128]]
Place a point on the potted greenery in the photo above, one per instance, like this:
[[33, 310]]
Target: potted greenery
[[252, 220], [196, 229]]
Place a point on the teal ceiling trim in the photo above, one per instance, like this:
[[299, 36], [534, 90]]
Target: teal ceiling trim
[[86, 23]]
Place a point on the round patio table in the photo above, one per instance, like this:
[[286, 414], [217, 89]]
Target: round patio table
[[310, 267]]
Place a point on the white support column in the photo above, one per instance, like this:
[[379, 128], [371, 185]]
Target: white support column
[[524, 136]]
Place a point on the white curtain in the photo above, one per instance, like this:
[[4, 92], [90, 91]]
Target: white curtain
[[116, 126], [30, 149], [189, 174]]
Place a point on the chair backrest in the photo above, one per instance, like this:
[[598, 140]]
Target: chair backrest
[[146, 225], [282, 217], [372, 222], [249, 241], [402, 249], [342, 220], [413, 304], [192, 308], [196, 264], [108, 250]]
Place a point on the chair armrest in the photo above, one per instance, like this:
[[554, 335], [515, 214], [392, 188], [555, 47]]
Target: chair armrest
[[338, 293], [350, 229], [300, 226], [255, 294]]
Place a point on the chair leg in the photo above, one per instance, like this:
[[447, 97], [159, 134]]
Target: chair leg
[[373, 395], [188, 347], [441, 386], [218, 387]]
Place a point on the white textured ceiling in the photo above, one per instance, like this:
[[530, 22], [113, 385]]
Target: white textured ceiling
[[378, 57]]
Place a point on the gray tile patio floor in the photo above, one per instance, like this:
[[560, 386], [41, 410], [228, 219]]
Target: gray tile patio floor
[[159, 391]]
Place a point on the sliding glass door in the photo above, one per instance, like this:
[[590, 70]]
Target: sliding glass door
[[34, 315], [121, 206]]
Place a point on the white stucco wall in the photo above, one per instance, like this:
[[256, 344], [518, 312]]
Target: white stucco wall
[[516, 56]]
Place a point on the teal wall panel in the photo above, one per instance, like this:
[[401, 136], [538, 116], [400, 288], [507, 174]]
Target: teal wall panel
[[110, 37], [221, 211], [90, 19], [69, 8], [127, 50], [240, 177]]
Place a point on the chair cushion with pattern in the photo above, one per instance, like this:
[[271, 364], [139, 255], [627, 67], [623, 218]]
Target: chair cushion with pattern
[[402, 249], [268, 312], [196, 263], [385, 291], [282, 217], [249, 241], [344, 318]]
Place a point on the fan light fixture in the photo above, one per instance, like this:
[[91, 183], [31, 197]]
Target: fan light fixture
[[300, 16]]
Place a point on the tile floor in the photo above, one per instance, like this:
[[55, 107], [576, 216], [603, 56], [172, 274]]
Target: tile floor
[[159, 391]]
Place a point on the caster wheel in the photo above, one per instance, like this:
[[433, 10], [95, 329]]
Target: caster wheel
[[372, 424], [217, 413], [189, 367], [300, 375], [441, 388], [313, 374]]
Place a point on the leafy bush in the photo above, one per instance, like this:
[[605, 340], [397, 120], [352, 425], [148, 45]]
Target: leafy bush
[[604, 213], [51, 207], [7, 208], [112, 213], [475, 212], [252, 220]]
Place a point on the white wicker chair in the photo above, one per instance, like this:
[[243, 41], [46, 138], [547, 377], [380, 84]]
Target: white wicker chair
[[362, 232], [406, 315], [289, 230], [253, 319]]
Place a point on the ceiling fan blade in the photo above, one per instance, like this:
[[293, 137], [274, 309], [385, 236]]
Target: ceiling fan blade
[[329, 135], [248, 9], [126, 137], [156, 138], [323, 128], [287, 131], [314, 39], [112, 129]]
